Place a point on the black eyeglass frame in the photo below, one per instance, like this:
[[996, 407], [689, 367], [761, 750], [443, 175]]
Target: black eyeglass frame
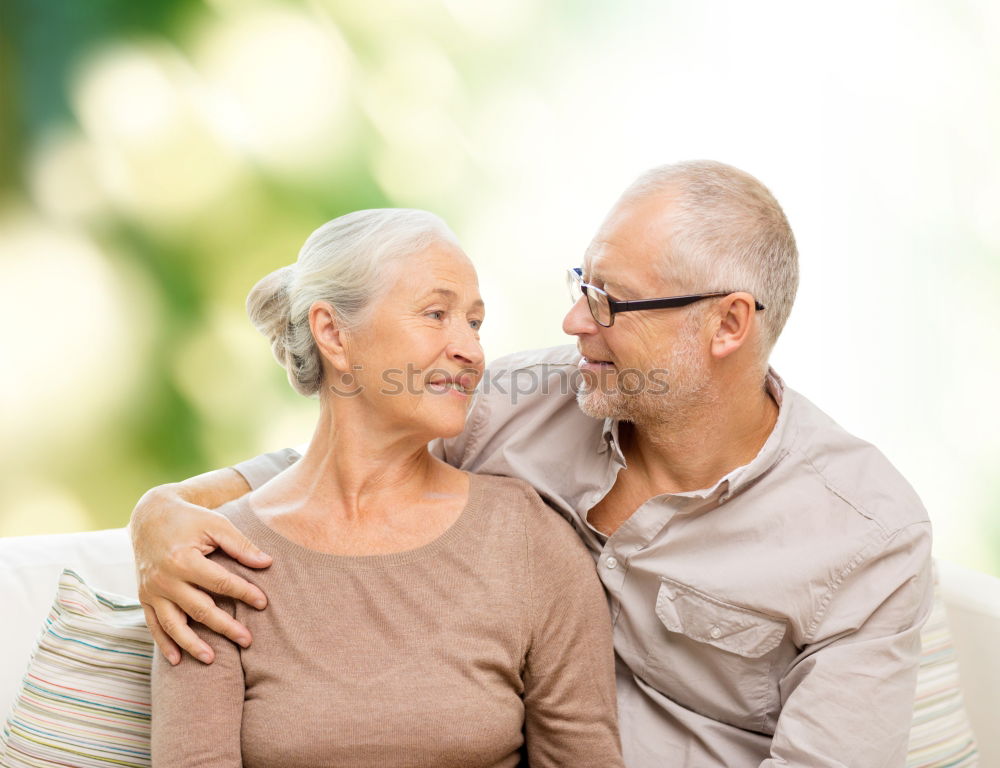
[[636, 305]]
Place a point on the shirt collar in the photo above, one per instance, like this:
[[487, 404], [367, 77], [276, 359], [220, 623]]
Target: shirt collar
[[609, 440], [774, 448], [771, 452]]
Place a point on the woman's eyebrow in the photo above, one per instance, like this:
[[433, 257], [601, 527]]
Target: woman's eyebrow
[[444, 293], [449, 294]]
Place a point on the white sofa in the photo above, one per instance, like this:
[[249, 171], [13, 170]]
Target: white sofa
[[30, 567]]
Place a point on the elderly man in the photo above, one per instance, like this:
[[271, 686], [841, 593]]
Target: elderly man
[[767, 572]]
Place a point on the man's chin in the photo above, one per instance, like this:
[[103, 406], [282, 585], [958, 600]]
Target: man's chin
[[600, 405]]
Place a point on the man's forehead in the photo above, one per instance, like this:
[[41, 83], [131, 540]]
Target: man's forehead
[[631, 268], [630, 249], [614, 275]]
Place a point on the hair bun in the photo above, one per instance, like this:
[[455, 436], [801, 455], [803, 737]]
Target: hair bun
[[269, 308]]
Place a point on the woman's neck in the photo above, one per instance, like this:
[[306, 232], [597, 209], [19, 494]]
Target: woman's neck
[[354, 466]]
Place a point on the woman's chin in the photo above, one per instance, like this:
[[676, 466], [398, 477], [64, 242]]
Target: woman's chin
[[449, 429], [449, 422]]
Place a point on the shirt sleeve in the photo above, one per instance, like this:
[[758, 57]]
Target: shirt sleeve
[[848, 698], [260, 469], [570, 705], [198, 708]]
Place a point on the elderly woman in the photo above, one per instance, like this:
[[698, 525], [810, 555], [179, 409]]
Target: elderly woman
[[418, 615]]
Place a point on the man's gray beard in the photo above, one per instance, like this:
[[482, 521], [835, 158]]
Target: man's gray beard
[[688, 389]]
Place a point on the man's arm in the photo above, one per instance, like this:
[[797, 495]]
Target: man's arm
[[848, 699], [173, 529]]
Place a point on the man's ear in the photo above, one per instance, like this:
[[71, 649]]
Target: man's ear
[[736, 321], [329, 334]]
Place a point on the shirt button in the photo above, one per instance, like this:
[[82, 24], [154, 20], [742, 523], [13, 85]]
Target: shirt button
[[715, 633], [611, 562]]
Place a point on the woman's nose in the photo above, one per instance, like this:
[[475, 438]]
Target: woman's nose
[[467, 350]]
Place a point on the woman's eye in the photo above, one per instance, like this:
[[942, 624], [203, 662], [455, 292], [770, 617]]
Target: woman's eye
[[476, 324], [436, 314]]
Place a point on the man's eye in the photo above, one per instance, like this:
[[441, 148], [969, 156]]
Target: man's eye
[[436, 314], [476, 324]]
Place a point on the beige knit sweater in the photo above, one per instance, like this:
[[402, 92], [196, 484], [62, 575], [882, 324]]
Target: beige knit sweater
[[488, 644]]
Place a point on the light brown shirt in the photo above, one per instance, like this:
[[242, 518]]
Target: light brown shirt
[[490, 642], [771, 619]]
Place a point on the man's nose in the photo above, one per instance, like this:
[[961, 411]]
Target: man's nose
[[579, 321]]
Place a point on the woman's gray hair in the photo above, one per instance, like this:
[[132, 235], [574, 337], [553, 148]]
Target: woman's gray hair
[[346, 262], [728, 234]]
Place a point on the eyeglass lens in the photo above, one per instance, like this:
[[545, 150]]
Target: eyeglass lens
[[597, 300], [573, 283], [599, 307]]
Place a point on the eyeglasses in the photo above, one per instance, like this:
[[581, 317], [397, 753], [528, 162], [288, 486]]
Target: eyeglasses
[[604, 308]]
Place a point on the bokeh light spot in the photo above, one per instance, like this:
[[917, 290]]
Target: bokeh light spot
[[286, 78]]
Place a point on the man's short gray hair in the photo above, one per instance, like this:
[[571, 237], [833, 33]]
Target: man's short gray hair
[[728, 233], [346, 262]]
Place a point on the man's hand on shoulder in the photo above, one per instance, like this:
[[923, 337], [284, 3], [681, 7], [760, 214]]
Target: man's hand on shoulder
[[173, 530]]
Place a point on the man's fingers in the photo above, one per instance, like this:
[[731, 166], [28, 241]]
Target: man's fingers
[[209, 575], [167, 646], [173, 622], [202, 609], [172, 538], [229, 539]]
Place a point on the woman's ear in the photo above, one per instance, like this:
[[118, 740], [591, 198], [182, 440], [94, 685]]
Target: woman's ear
[[329, 335]]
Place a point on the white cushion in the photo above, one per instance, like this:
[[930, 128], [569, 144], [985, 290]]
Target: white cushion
[[29, 572], [973, 603], [85, 697]]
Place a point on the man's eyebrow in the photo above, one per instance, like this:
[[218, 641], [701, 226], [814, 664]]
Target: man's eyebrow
[[616, 289]]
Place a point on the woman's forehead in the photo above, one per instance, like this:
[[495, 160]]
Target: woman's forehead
[[446, 274], [447, 257]]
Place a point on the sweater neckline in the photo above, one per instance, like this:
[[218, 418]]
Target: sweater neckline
[[275, 543]]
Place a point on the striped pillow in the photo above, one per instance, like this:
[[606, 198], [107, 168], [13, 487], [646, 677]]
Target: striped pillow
[[940, 736], [85, 697]]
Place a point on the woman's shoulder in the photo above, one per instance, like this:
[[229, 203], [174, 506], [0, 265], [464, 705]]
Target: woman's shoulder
[[240, 514], [512, 495], [511, 488], [512, 501]]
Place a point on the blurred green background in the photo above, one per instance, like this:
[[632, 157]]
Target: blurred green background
[[157, 158]]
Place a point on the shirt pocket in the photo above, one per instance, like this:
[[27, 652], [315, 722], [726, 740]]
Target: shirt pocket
[[716, 657]]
